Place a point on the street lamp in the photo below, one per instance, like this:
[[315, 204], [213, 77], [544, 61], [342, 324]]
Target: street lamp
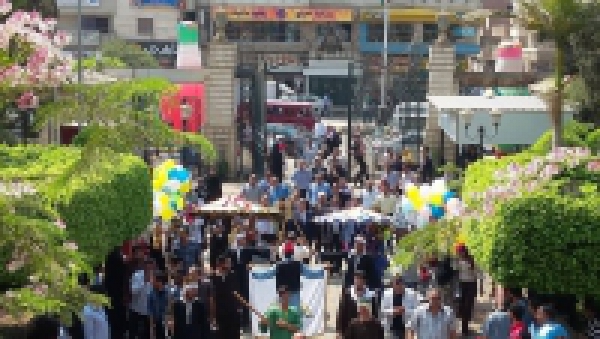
[[482, 133], [186, 113]]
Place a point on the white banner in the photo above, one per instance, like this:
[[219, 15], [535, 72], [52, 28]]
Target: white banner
[[312, 297]]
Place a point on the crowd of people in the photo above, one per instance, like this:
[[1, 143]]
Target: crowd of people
[[190, 279]]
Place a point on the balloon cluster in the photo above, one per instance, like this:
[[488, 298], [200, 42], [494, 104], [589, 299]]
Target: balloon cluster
[[170, 183], [430, 202]]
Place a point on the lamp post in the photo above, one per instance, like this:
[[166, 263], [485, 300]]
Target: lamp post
[[482, 132], [351, 88], [186, 113]]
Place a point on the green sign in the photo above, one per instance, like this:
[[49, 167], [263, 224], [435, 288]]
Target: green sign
[[187, 33]]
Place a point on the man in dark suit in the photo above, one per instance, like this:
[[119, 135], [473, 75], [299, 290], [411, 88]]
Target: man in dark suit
[[225, 308], [214, 186], [360, 260], [218, 244], [116, 283], [277, 160], [357, 293], [241, 257], [287, 273], [190, 315]]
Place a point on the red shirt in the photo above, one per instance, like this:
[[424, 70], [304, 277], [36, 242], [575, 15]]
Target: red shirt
[[516, 330]]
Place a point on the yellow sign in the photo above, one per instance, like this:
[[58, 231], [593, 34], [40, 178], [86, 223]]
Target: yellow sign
[[318, 15], [263, 13], [401, 15]]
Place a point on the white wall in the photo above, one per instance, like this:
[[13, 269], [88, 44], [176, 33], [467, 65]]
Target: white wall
[[519, 128]]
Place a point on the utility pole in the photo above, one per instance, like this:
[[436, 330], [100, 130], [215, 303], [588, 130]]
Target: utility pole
[[349, 108], [79, 43], [384, 58]]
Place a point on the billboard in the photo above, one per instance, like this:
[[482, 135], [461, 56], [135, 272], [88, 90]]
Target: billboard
[[188, 50], [263, 13]]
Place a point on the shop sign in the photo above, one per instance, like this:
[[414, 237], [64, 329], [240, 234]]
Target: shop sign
[[164, 51], [248, 13]]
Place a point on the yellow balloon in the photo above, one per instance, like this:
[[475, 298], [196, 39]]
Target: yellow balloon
[[417, 202], [163, 200], [412, 191], [186, 186], [180, 204], [436, 199], [167, 214]]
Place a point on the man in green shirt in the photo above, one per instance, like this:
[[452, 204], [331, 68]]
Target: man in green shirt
[[282, 320]]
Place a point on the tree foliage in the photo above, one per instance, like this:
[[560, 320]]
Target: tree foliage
[[131, 54], [558, 20], [36, 74], [526, 213]]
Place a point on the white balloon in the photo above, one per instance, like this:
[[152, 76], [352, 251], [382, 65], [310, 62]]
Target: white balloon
[[425, 191], [173, 185]]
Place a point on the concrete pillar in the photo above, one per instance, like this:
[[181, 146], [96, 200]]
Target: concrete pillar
[[221, 112], [442, 66], [418, 32]]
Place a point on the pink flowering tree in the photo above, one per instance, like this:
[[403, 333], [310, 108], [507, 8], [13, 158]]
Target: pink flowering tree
[[533, 222], [35, 73]]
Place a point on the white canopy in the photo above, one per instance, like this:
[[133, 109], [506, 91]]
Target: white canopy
[[502, 103], [356, 214]]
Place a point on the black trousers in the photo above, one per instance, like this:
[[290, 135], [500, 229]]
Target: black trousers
[[117, 319], [466, 306], [139, 326], [159, 329], [398, 334]]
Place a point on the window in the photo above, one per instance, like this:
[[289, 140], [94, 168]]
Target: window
[[145, 26], [401, 32], [375, 32], [95, 23], [430, 32], [233, 32]]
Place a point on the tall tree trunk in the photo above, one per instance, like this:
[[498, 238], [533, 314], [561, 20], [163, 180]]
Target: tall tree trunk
[[556, 99]]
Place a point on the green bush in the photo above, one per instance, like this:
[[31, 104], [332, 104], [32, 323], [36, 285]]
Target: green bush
[[102, 206], [575, 134], [546, 242]]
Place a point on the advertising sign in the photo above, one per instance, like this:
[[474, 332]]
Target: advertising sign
[[188, 55], [164, 51], [248, 13]]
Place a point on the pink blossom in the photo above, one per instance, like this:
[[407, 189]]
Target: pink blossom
[[14, 265], [593, 166], [71, 246], [5, 7], [27, 100], [60, 224]]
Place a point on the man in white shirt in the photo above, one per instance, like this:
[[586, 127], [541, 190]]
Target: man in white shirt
[[369, 195], [397, 305], [432, 320], [140, 290], [95, 322]]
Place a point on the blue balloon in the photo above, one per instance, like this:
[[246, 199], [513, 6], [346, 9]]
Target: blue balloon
[[449, 195], [437, 212], [172, 174], [407, 207]]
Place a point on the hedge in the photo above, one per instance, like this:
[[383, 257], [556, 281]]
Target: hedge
[[549, 243], [101, 207]]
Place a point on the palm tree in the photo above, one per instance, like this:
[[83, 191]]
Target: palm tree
[[558, 20]]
